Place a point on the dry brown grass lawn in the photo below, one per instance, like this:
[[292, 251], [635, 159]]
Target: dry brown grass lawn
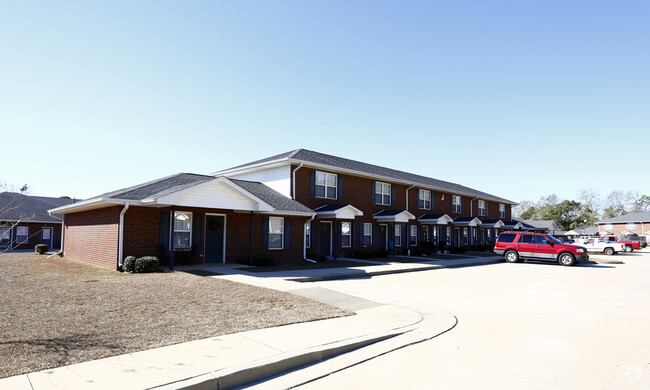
[[56, 312]]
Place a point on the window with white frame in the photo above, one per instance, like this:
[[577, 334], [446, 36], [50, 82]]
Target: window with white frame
[[434, 234], [276, 233], [22, 234], [382, 193], [413, 237], [482, 208], [465, 241], [424, 199], [398, 235], [502, 210], [609, 226], [326, 185], [5, 237], [182, 230], [448, 238], [346, 234], [630, 226], [308, 234], [367, 234], [456, 204], [489, 235]]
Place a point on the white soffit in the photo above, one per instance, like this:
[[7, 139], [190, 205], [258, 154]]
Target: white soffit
[[346, 212]]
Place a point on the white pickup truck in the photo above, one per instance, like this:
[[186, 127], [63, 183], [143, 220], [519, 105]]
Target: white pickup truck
[[606, 247]]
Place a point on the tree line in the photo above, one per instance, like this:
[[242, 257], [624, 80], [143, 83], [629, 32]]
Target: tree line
[[584, 212]]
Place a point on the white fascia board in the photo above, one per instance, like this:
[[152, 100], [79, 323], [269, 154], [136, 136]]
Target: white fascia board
[[473, 222], [173, 198], [89, 204], [347, 212], [390, 179], [403, 216], [289, 213], [251, 168], [307, 164]]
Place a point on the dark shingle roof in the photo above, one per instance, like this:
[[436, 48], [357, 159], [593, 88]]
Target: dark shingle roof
[[374, 170], [158, 187], [271, 196], [631, 217], [19, 207], [170, 184]]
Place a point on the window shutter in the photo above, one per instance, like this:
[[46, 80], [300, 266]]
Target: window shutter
[[287, 233], [312, 183], [374, 234], [451, 203], [374, 192], [433, 196], [265, 232], [359, 231], [312, 235], [197, 231], [420, 202], [486, 208], [339, 186], [392, 194], [338, 234], [462, 205], [164, 229]]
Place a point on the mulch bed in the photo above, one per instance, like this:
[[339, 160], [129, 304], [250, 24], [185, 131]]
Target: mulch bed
[[57, 312]]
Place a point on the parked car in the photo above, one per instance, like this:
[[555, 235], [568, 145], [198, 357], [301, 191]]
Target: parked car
[[515, 247], [629, 245], [603, 246], [565, 240]]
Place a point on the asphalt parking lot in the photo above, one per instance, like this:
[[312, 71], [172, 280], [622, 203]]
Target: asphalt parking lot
[[529, 325]]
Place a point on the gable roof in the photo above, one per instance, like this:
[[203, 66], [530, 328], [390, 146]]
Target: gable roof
[[631, 217], [170, 187], [316, 159], [19, 207]]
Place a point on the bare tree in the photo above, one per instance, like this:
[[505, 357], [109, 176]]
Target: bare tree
[[10, 216]]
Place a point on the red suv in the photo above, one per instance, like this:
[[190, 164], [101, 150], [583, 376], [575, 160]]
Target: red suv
[[518, 246]]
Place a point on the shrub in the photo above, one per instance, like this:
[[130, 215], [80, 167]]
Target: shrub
[[643, 244], [146, 264], [428, 247], [128, 265], [41, 249], [380, 253]]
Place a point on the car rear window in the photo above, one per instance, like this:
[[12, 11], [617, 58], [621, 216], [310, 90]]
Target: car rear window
[[506, 237]]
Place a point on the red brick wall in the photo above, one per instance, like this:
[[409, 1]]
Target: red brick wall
[[92, 236], [358, 191], [142, 236], [35, 234]]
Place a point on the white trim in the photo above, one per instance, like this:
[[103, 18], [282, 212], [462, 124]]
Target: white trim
[[345, 212], [283, 234], [401, 217], [290, 160], [473, 222], [442, 220]]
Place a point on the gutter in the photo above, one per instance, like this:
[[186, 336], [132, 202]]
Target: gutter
[[407, 196], [293, 182], [471, 209], [120, 244], [60, 252], [304, 243]]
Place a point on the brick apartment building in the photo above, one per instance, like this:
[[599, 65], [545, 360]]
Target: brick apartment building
[[286, 207]]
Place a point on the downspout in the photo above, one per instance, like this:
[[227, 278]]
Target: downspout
[[120, 244], [471, 209], [293, 182], [407, 196], [60, 252], [304, 243]]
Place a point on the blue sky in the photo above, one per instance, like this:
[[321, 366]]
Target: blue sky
[[520, 99]]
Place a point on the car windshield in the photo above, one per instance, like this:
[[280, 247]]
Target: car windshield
[[554, 240]]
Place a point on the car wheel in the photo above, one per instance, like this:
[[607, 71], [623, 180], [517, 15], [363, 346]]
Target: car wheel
[[567, 259], [628, 248], [512, 256], [609, 251]]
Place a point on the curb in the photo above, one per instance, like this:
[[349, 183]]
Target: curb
[[306, 279], [236, 377]]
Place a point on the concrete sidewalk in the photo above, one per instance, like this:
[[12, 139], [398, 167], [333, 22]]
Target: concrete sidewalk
[[240, 359]]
